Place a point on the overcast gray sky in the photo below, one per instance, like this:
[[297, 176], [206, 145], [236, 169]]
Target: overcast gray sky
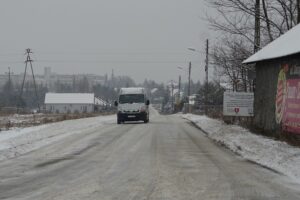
[[139, 38]]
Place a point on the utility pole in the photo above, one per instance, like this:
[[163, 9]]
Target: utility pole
[[29, 60], [189, 86], [257, 26], [179, 86], [206, 62], [171, 89], [172, 94], [9, 79], [298, 11], [206, 76], [9, 88]]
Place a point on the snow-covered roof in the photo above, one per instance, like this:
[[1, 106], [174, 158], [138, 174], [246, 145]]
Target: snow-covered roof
[[69, 98], [285, 45], [153, 90], [175, 91], [226, 86], [100, 102], [132, 90]]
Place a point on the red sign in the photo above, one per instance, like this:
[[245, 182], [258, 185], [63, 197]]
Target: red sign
[[237, 110], [291, 114]]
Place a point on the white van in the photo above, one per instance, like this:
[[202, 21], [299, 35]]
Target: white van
[[133, 105]]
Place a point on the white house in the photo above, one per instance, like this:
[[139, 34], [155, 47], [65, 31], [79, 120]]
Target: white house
[[70, 102]]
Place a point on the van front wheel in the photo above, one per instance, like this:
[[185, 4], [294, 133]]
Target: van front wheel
[[146, 120], [119, 121]]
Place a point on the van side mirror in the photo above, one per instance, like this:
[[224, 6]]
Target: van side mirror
[[147, 102], [116, 103]]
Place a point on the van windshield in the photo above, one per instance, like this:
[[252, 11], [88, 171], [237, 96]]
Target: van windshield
[[131, 98]]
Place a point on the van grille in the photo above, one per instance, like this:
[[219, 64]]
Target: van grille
[[131, 111]]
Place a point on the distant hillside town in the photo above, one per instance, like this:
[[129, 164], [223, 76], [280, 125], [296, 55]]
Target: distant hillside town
[[51, 79], [17, 92]]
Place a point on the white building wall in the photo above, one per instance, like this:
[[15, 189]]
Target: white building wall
[[70, 108]]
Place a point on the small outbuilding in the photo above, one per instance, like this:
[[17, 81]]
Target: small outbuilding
[[70, 102], [277, 91]]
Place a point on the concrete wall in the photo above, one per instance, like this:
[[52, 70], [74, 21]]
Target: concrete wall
[[69, 108], [265, 92]]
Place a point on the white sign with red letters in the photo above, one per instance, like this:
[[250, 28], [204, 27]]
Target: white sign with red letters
[[238, 104]]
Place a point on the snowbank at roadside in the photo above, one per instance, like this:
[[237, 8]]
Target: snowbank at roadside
[[19, 141], [273, 154]]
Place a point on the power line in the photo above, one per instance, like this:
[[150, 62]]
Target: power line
[[10, 62], [116, 61], [106, 61], [101, 53], [10, 54]]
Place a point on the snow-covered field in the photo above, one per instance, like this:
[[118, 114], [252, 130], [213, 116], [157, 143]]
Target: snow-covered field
[[28, 120], [17, 120], [276, 155], [19, 141]]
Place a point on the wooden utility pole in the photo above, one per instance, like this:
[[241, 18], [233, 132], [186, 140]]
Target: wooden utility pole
[[206, 61], [298, 11], [189, 86], [9, 87], [172, 93], [29, 60], [171, 87], [206, 76], [179, 86], [9, 78], [257, 26]]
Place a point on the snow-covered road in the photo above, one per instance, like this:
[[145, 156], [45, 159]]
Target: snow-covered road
[[167, 159]]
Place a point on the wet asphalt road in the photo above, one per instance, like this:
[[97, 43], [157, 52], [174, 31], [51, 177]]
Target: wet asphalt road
[[167, 159]]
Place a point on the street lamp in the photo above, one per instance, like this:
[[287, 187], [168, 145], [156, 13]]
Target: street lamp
[[189, 82], [206, 61], [172, 84], [206, 73], [192, 49], [189, 76]]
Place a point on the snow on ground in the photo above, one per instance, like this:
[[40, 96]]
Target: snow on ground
[[270, 153], [18, 119], [19, 141]]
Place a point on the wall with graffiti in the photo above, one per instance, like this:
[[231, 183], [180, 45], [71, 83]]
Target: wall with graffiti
[[288, 98]]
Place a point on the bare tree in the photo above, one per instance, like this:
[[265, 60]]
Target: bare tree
[[227, 57], [268, 23], [238, 17], [235, 21]]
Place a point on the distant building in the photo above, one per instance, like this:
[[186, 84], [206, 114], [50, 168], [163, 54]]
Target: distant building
[[49, 79], [277, 91], [70, 102]]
